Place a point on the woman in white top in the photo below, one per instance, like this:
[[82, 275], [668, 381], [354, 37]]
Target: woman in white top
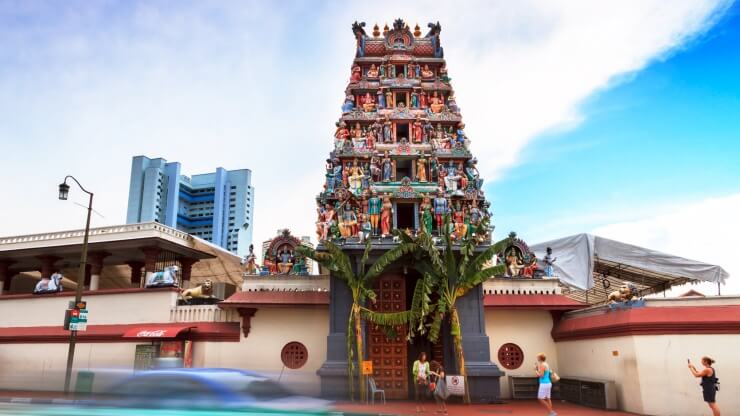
[[420, 372]]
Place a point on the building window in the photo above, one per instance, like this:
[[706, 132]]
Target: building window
[[510, 356], [294, 355]]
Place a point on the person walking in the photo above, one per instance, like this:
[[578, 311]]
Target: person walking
[[440, 387], [709, 382], [420, 371], [544, 392]]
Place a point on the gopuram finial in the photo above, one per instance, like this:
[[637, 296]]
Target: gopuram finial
[[417, 31], [386, 29], [376, 31]]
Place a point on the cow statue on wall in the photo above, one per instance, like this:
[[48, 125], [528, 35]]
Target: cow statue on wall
[[165, 278], [50, 285]]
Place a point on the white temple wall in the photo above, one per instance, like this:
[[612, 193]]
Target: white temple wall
[[530, 330], [651, 372], [41, 366], [271, 329]]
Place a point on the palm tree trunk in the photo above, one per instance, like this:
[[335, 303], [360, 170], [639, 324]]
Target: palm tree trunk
[[459, 356], [350, 364], [360, 352]]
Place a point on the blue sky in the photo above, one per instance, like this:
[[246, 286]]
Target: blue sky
[[667, 134], [614, 117]]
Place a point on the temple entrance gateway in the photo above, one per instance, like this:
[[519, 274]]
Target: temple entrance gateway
[[388, 354]]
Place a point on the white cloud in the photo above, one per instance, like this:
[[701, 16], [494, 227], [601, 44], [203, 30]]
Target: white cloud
[[259, 85], [707, 231]]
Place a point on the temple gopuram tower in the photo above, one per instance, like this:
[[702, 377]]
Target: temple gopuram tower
[[401, 161]]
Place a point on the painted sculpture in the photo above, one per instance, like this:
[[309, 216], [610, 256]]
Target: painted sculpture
[[202, 291], [401, 158], [165, 278], [49, 285]]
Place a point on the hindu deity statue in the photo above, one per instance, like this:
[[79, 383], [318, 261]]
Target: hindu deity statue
[[356, 74], [349, 104], [251, 261], [348, 222], [365, 228], [373, 71], [441, 175], [375, 170], [368, 103], [329, 184], [391, 70], [340, 136], [370, 139], [436, 103], [423, 103], [427, 73], [460, 134], [387, 130], [386, 216], [452, 178], [472, 174], [443, 74], [418, 131], [355, 179], [417, 70], [421, 169], [381, 70], [452, 104], [514, 265], [345, 174], [381, 98], [458, 218], [389, 100], [414, 99], [285, 261], [475, 219], [440, 210], [463, 178], [427, 218], [387, 168], [338, 174], [433, 168], [374, 207], [327, 220]]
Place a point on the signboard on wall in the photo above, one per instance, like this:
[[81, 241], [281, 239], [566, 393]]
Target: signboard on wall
[[367, 368], [144, 357], [187, 355], [456, 385]]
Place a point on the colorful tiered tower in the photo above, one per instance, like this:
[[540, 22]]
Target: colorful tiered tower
[[401, 157], [401, 161]]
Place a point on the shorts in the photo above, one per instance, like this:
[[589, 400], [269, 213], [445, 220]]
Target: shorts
[[710, 394], [544, 391]]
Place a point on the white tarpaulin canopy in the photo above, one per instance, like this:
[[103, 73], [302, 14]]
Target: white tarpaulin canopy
[[581, 256]]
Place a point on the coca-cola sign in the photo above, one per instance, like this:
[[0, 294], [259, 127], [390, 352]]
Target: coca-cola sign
[[158, 333]]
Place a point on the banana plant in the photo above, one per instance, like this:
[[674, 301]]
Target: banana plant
[[360, 285], [453, 275]]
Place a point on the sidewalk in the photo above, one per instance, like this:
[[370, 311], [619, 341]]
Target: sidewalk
[[514, 407]]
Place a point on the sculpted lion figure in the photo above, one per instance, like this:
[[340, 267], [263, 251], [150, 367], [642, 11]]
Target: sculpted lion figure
[[625, 293], [204, 290]]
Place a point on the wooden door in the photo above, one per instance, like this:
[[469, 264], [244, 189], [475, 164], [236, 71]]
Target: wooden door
[[390, 364]]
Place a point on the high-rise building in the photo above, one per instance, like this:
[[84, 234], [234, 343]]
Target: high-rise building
[[217, 207]]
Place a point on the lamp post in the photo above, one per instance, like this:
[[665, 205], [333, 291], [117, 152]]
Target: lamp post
[[63, 193]]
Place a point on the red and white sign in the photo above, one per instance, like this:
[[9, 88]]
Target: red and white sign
[[155, 332], [455, 385]]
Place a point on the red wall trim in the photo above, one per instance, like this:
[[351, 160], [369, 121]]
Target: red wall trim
[[650, 321], [202, 331], [71, 293], [276, 298]]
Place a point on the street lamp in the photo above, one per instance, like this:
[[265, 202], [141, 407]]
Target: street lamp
[[63, 194]]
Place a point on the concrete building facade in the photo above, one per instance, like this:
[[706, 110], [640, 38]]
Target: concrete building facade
[[217, 207]]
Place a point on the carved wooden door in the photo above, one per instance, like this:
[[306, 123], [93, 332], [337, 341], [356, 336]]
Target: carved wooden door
[[390, 364]]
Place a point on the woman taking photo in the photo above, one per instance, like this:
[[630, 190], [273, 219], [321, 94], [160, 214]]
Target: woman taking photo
[[709, 382], [543, 372], [420, 372]]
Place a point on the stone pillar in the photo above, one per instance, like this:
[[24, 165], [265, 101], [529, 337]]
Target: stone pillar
[[95, 259], [333, 372], [150, 261], [47, 266], [187, 267], [136, 272], [5, 275]]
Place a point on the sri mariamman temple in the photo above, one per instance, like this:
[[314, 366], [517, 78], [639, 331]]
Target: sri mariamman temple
[[400, 172]]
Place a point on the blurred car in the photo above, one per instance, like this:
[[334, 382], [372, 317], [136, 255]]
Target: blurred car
[[207, 388]]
